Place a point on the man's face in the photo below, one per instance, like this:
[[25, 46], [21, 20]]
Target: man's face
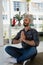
[[26, 22]]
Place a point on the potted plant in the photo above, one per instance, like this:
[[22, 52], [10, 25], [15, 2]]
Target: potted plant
[[19, 18]]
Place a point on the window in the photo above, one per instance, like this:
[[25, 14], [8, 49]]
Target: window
[[41, 17], [20, 6], [37, 7], [16, 5], [4, 17]]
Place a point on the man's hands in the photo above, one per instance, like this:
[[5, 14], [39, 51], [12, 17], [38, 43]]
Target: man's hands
[[22, 37]]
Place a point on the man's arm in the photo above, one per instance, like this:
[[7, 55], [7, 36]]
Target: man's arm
[[35, 41], [31, 43], [15, 41]]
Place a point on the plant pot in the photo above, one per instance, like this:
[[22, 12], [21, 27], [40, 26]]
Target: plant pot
[[19, 24]]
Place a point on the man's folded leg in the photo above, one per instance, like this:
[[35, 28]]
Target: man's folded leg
[[14, 52], [27, 54], [20, 54]]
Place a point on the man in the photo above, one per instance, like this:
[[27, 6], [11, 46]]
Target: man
[[29, 39]]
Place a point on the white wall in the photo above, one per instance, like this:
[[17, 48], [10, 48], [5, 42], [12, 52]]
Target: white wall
[[1, 24]]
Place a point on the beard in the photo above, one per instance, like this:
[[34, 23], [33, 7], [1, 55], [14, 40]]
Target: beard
[[25, 24]]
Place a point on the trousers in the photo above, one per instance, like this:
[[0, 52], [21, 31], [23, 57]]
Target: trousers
[[21, 54]]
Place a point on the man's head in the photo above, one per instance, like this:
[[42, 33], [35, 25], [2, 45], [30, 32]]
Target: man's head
[[27, 20]]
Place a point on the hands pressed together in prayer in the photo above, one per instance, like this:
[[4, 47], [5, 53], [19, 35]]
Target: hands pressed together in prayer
[[22, 37]]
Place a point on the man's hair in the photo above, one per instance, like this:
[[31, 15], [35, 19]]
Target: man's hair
[[29, 16]]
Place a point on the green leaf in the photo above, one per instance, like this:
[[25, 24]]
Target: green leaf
[[18, 17]]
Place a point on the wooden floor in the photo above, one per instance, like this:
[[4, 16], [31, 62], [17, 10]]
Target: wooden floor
[[37, 61]]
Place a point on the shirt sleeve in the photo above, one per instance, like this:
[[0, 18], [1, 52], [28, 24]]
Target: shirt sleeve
[[36, 37]]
